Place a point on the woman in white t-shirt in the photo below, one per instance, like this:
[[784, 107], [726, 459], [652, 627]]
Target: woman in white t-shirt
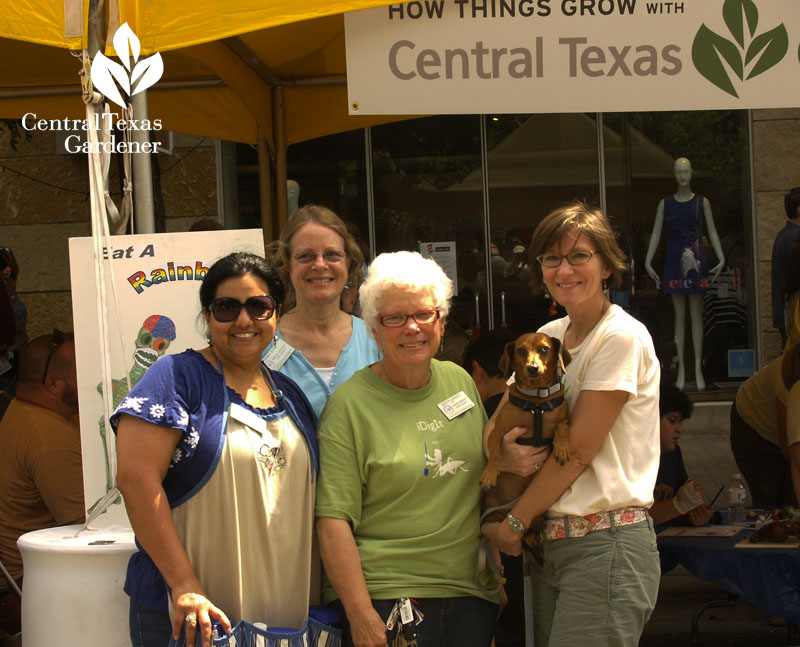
[[600, 573]]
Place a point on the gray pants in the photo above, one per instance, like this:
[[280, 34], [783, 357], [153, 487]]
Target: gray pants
[[596, 590]]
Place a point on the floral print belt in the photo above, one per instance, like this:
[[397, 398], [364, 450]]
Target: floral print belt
[[571, 526]]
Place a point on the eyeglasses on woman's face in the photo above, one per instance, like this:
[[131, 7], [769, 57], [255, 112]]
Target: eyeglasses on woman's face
[[332, 256], [397, 320], [227, 309], [578, 257]]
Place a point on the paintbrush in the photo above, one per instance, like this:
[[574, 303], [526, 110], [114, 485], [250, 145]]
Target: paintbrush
[[716, 496]]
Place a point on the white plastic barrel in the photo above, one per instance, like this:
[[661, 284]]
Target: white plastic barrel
[[72, 590]]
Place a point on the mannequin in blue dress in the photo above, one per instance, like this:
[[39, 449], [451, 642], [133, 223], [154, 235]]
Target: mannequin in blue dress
[[686, 272]]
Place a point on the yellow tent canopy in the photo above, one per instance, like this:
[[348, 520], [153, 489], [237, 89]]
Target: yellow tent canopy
[[264, 72], [222, 61]]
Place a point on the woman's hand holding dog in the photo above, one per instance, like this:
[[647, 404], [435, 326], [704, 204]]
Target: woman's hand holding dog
[[505, 540], [523, 460]]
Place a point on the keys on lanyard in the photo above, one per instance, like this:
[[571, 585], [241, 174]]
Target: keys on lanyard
[[406, 617]]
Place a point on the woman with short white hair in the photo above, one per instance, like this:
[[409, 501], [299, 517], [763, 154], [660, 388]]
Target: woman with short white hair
[[400, 443]]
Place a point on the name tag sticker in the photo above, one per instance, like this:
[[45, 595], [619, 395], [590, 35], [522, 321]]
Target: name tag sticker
[[246, 417], [277, 355], [455, 405]]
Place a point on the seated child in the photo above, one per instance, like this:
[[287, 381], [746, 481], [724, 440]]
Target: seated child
[[677, 497]]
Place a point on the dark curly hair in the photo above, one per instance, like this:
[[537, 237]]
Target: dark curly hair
[[791, 201], [671, 398]]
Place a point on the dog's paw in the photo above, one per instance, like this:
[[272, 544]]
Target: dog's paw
[[489, 478], [561, 452]]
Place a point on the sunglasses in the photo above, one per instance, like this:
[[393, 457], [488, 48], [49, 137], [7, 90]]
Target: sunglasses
[[227, 309], [58, 339], [398, 320]]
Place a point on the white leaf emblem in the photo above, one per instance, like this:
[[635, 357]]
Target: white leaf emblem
[[104, 71], [143, 74], [150, 69], [126, 43]]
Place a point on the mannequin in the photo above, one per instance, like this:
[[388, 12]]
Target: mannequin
[[685, 264], [292, 197]]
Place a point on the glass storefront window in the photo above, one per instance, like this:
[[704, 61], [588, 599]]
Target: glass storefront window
[[482, 183], [428, 188], [330, 171], [640, 153], [534, 164]]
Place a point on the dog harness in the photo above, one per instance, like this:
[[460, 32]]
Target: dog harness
[[537, 409]]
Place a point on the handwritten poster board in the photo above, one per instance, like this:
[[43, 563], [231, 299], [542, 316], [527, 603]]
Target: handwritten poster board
[[157, 279]]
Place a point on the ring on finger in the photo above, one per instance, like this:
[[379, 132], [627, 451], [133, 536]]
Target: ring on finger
[[191, 619]]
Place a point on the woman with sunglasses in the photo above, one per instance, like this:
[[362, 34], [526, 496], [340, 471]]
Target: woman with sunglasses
[[400, 444], [319, 345], [601, 569], [217, 461]]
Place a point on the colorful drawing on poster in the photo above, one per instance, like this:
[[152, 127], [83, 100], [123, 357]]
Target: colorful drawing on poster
[[152, 341]]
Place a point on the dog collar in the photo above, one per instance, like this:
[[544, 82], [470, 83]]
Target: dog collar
[[542, 393], [535, 407]]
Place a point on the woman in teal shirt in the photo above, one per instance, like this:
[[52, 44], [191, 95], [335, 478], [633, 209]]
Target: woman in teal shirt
[[317, 344]]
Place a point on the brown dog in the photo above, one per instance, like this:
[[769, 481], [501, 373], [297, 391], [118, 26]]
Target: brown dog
[[536, 401]]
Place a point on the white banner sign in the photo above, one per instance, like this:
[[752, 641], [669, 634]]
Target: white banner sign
[[157, 284], [521, 56]]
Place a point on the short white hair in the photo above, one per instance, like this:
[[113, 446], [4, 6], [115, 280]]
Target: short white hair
[[407, 271]]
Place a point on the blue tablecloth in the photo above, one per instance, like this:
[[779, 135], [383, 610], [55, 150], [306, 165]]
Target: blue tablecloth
[[767, 577]]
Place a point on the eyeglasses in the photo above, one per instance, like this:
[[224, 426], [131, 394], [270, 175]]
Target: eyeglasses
[[227, 309], [397, 320], [331, 256], [58, 339], [573, 258]]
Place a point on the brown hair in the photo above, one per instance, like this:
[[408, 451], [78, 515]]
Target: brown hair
[[580, 219], [280, 250]]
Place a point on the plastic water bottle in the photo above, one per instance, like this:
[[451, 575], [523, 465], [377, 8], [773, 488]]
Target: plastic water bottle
[[737, 497]]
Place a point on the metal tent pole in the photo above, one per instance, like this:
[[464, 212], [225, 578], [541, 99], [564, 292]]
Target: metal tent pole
[[143, 213]]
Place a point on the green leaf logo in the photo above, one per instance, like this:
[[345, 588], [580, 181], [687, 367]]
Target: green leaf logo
[[747, 55]]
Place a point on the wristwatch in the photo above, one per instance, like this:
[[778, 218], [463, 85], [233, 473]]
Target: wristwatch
[[516, 525]]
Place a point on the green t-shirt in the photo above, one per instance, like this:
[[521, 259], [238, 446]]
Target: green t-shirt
[[406, 478]]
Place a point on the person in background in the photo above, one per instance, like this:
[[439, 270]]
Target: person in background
[[41, 474], [399, 503], [790, 376], [790, 290], [9, 359], [207, 224], [677, 497], [781, 251], [481, 362], [600, 577], [675, 493], [317, 344], [764, 419], [498, 263], [217, 464], [518, 265], [8, 323]]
